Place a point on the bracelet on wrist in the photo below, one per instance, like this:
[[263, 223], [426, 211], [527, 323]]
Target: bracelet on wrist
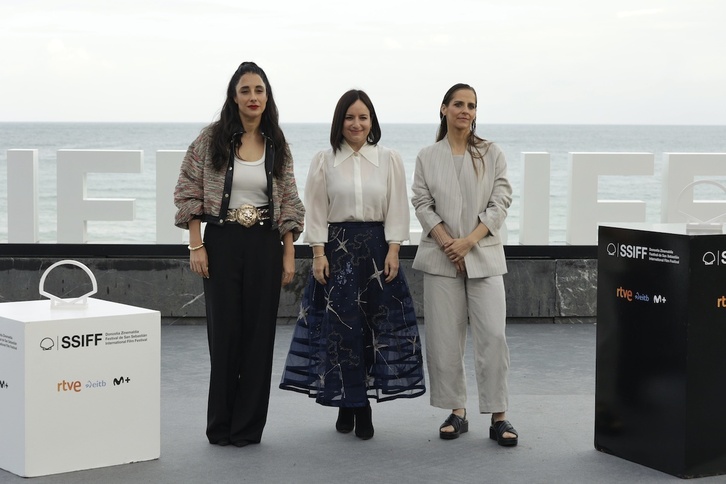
[[195, 248], [316, 256]]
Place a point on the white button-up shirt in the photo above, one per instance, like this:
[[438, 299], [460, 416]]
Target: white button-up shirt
[[364, 186]]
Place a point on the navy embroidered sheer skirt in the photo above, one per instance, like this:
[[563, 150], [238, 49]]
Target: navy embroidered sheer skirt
[[356, 337]]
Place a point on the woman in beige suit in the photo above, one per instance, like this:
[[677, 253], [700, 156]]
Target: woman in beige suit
[[461, 195]]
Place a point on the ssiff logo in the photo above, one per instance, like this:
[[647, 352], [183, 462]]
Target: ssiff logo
[[81, 340], [627, 251], [72, 341], [714, 258]]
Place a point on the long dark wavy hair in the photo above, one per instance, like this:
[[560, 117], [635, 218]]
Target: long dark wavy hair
[[227, 131], [346, 101], [474, 143]]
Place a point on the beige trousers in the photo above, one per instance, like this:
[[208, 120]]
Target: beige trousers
[[449, 303]]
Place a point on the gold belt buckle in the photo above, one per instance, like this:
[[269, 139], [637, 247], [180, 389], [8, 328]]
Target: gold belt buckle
[[246, 215]]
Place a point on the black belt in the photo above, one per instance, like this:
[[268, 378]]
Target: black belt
[[247, 215]]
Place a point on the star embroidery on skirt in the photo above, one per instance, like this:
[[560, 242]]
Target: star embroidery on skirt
[[414, 343], [303, 314], [377, 347], [329, 308], [376, 274], [359, 300], [403, 309], [342, 245]]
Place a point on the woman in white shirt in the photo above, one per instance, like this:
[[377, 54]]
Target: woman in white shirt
[[356, 336]]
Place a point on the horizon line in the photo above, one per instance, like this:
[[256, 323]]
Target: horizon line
[[204, 123]]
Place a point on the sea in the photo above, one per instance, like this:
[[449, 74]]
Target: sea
[[306, 139]]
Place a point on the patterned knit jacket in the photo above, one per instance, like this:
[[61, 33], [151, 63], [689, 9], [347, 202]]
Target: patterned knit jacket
[[203, 191]]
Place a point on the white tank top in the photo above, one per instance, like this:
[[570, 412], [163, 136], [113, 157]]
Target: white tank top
[[249, 183]]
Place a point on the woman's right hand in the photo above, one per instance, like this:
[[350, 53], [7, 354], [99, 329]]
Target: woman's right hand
[[199, 263], [444, 239], [321, 269]]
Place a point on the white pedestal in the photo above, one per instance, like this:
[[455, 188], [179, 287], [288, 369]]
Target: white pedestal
[[79, 386]]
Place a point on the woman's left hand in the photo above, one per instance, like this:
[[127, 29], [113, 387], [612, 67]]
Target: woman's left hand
[[288, 267], [390, 266], [456, 249]]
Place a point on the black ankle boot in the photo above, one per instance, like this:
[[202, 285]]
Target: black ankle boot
[[346, 420], [363, 422]]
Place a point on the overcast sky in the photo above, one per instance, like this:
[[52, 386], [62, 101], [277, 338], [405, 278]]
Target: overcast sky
[[538, 61]]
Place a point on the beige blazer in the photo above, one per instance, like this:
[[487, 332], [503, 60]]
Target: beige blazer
[[461, 202]]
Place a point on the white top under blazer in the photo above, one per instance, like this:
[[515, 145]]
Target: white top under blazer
[[249, 183], [364, 186], [461, 200]]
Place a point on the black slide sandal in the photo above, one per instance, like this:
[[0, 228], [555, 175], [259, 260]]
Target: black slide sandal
[[460, 424]]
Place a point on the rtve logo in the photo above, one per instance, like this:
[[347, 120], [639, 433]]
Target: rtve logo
[[627, 251], [68, 386], [624, 293], [721, 302]]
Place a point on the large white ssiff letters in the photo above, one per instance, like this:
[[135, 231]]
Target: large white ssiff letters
[[584, 210], [74, 208]]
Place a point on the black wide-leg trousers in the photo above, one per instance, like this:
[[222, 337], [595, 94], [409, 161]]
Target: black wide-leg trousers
[[242, 295]]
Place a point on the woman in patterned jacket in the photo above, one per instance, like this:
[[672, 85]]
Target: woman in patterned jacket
[[237, 176]]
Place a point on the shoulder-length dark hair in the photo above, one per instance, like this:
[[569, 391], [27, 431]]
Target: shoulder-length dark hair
[[474, 143], [227, 131], [345, 101]]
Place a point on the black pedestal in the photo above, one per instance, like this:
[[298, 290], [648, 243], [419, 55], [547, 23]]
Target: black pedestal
[[660, 394]]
